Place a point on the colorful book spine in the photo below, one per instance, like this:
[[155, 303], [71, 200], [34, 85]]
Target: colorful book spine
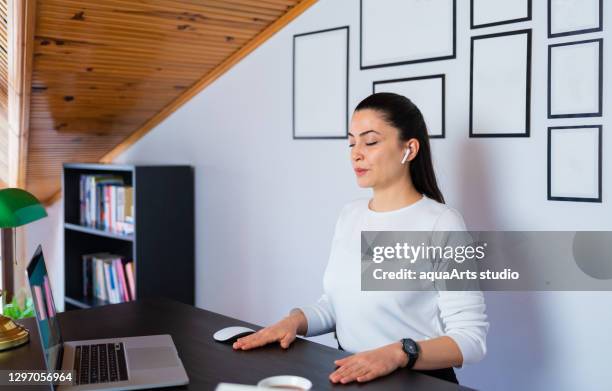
[[115, 282], [129, 271], [106, 203], [112, 209], [122, 280], [95, 286], [94, 201], [87, 276], [117, 279], [120, 208], [107, 282], [101, 286], [106, 277], [99, 207], [112, 285], [129, 211], [82, 198]]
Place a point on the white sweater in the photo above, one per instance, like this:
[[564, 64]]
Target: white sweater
[[365, 320]]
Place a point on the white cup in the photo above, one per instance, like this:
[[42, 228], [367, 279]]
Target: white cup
[[287, 382]]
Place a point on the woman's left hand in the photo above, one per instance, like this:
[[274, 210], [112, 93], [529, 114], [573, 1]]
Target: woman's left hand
[[369, 365]]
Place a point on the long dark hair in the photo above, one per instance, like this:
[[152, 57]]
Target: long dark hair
[[406, 117]]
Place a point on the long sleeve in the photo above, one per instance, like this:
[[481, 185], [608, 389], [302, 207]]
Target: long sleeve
[[462, 311], [320, 317], [465, 321]]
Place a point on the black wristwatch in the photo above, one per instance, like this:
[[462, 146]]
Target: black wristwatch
[[411, 348]]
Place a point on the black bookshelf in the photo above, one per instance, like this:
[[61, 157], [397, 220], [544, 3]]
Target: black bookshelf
[[162, 245]]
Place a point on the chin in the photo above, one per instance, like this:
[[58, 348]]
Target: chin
[[363, 182]]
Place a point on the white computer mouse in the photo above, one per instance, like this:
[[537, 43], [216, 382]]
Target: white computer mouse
[[231, 334]]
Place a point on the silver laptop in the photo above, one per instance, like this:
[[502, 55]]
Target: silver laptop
[[101, 364]]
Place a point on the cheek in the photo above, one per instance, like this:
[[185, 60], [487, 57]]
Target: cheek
[[386, 165], [382, 160]]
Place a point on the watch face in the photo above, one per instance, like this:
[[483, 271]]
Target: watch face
[[410, 347]]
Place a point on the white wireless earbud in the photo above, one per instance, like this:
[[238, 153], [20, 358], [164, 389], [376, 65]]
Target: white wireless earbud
[[406, 155]]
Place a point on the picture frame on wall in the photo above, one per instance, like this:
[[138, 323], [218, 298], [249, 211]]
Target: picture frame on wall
[[397, 32], [321, 84], [500, 77], [574, 155], [571, 17], [488, 13], [575, 79], [428, 93]]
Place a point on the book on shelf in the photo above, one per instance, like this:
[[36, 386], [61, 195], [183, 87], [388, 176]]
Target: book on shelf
[[106, 203], [129, 273], [108, 277], [125, 296]]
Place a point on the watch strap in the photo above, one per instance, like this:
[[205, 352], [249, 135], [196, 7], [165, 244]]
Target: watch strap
[[411, 348]]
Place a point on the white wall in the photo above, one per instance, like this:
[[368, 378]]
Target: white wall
[[267, 204]]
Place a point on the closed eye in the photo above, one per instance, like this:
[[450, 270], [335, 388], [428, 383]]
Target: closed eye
[[368, 144]]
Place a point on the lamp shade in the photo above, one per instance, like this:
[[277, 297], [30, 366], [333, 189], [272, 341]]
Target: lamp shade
[[18, 207]]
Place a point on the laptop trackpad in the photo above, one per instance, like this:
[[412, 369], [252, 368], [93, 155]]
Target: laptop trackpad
[[151, 358]]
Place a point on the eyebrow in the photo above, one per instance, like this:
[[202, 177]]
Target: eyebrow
[[364, 133]]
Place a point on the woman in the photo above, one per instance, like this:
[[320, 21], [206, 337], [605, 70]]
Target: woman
[[429, 331]]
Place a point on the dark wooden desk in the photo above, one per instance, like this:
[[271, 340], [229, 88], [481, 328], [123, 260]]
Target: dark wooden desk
[[207, 362]]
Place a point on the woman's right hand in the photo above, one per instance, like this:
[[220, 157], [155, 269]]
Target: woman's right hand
[[283, 331]]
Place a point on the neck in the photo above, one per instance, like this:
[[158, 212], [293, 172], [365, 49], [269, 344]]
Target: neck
[[397, 195]]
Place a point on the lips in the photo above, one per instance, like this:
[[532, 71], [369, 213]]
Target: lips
[[360, 171]]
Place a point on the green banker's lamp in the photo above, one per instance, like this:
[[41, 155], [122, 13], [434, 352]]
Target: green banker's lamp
[[17, 208]]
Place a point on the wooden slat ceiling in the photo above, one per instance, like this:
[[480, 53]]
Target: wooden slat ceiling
[[102, 69]]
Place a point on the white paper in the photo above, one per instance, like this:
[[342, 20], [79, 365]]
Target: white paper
[[426, 94], [574, 75], [406, 30], [320, 89], [499, 85], [574, 163]]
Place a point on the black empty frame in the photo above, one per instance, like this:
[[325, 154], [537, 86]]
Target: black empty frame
[[321, 84], [574, 155], [406, 31], [574, 17], [428, 93], [498, 7], [500, 84], [573, 89]]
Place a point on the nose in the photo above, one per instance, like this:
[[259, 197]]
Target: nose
[[356, 154]]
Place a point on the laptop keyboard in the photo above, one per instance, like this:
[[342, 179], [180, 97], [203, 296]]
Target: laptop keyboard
[[100, 363]]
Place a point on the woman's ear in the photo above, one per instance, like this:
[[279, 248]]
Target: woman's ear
[[412, 145]]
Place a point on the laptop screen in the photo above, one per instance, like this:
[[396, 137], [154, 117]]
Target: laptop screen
[[48, 325]]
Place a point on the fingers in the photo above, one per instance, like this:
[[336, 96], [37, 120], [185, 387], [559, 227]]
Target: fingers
[[356, 373], [366, 377], [335, 376], [287, 340], [349, 373], [342, 361], [263, 337], [255, 340], [343, 371]]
